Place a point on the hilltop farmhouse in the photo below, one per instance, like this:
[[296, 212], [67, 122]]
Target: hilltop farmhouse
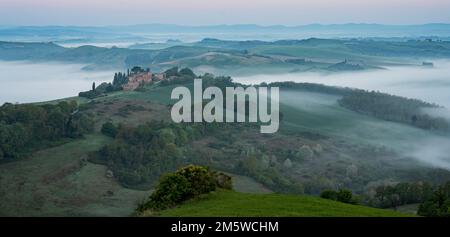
[[138, 77]]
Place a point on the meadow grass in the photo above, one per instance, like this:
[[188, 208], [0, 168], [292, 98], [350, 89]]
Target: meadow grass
[[234, 204], [57, 182]]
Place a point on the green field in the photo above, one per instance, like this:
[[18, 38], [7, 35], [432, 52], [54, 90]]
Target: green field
[[244, 184], [234, 204], [59, 182]]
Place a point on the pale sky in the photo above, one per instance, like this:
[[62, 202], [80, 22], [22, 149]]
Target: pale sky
[[208, 12]]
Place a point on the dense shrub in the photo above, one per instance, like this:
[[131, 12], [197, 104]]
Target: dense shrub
[[188, 182], [172, 189], [343, 195], [224, 181], [202, 180], [329, 194]]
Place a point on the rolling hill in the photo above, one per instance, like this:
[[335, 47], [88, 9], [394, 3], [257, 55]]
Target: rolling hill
[[234, 204], [240, 57], [324, 146]]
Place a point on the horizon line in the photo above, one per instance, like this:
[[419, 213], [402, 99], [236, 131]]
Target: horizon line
[[224, 25]]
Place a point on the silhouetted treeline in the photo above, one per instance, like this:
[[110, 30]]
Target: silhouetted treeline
[[107, 87]]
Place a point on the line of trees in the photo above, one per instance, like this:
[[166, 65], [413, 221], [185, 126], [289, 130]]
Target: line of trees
[[392, 196], [393, 108], [120, 79], [311, 87], [381, 105], [107, 87]]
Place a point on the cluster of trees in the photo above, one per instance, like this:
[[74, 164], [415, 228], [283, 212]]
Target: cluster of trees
[[186, 183], [27, 126], [266, 170], [139, 155], [175, 72], [342, 195], [438, 203], [137, 70], [391, 196], [221, 81], [186, 75], [175, 76], [120, 78], [393, 108]]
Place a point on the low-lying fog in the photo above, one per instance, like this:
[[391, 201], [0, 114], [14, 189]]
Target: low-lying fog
[[428, 84], [33, 82], [321, 113]]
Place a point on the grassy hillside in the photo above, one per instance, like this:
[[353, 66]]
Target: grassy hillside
[[347, 141], [327, 146], [230, 203], [59, 182]]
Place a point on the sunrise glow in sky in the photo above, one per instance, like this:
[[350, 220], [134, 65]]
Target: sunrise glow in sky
[[207, 12]]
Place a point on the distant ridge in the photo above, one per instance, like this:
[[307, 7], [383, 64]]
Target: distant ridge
[[350, 29]]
